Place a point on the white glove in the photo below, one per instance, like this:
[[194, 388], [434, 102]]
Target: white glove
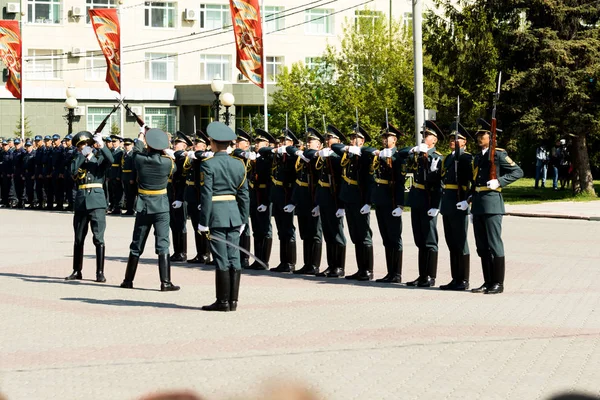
[[463, 205], [191, 155], [423, 148], [471, 218], [177, 204], [199, 207], [207, 154], [202, 228], [365, 209], [86, 150], [281, 150], [250, 155], [493, 184], [315, 211], [289, 208], [354, 150], [300, 154], [261, 208], [98, 140], [434, 164], [169, 153], [433, 212], [229, 149], [413, 150], [397, 212], [142, 129], [242, 227], [340, 213], [326, 152], [385, 153]]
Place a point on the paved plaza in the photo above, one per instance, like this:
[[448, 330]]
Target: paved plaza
[[84, 340]]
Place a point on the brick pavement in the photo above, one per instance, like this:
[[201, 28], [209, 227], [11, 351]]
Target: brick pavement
[[83, 340]]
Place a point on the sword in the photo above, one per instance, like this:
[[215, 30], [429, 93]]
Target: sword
[[235, 246]]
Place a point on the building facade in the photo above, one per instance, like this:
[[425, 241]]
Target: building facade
[[171, 51]]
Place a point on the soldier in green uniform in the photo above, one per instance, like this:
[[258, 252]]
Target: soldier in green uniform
[[455, 186], [424, 199], [224, 211], [114, 174], [242, 145], [128, 176], [329, 205], [259, 181], [487, 207], [283, 177], [303, 199], [355, 193], [176, 192], [154, 168], [191, 167], [388, 169], [88, 170]]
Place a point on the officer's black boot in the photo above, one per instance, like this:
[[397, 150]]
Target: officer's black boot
[[176, 246], [497, 276], [358, 252], [339, 262], [205, 251], [317, 249], [164, 271], [388, 264], [223, 288], [132, 264], [422, 268], [268, 244], [100, 251], [234, 276], [330, 249], [431, 274], [366, 273], [287, 256], [396, 266], [259, 249], [77, 262], [307, 248], [486, 267], [244, 244], [183, 246], [453, 272], [464, 264], [198, 243]]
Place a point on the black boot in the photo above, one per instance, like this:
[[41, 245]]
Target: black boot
[[132, 264], [179, 247], [223, 288], [330, 249], [234, 276], [396, 267], [287, 257], [77, 263], [259, 252], [460, 266], [486, 267], [198, 243], [422, 269], [100, 250], [432, 262], [340, 262], [388, 264], [464, 267], [245, 244], [497, 275], [312, 258], [358, 252], [367, 272], [453, 272], [164, 272]]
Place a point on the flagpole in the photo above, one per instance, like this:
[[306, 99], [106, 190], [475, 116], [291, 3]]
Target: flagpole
[[121, 67], [264, 65], [22, 13]]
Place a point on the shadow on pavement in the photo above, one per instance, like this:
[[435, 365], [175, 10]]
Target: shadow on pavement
[[130, 303], [61, 280]]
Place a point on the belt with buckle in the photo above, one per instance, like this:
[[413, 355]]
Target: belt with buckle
[[223, 197], [89, 186], [152, 192]]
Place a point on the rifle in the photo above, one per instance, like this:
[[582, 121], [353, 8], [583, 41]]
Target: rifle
[[105, 120], [457, 148], [493, 174], [389, 160], [137, 118]]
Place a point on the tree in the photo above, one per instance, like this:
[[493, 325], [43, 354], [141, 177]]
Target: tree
[[550, 58], [114, 129], [28, 131]]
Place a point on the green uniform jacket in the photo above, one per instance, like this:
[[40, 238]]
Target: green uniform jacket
[[222, 175], [387, 184], [115, 167], [357, 180], [127, 167], [303, 194], [153, 172], [419, 165], [451, 195], [92, 171], [507, 171]]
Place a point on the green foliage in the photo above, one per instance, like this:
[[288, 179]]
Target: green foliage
[[28, 131], [114, 129]]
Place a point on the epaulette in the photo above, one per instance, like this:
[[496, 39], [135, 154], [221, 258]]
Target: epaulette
[[438, 153], [207, 158], [238, 158], [498, 148]]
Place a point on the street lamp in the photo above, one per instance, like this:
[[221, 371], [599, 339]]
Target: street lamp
[[217, 86], [227, 100], [70, 104]]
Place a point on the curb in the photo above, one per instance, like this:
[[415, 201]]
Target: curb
[[555, 216]]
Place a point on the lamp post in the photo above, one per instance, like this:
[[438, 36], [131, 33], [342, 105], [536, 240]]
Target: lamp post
[[227, 100], [70, 104], [217, 86]]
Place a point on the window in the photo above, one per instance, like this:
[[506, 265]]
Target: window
[[44, 64], [43, 11], [161, 118], [95, 116], [160, 67], [274, 68], [407, 22], [97, 4], [319, 21], [214, 16], [274, 19], [159, 15], [95, 66], [364, 20], [314, 62], [213, 65]]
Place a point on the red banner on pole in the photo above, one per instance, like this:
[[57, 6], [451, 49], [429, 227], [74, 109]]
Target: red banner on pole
[[10, 53], [249, 39], [108, 32]]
